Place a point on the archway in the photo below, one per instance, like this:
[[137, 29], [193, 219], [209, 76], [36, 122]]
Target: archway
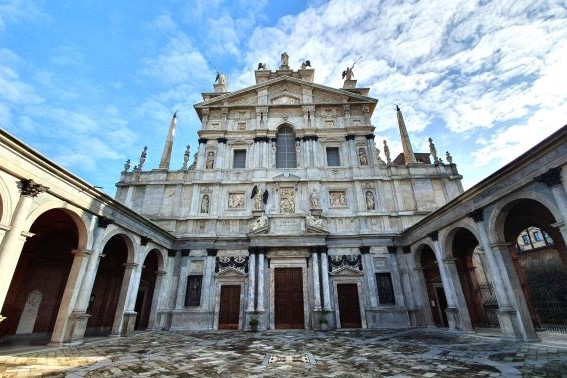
[[145, 296], [541, 268], [477, 289], [38, 284], [434, 286], [103, 301]]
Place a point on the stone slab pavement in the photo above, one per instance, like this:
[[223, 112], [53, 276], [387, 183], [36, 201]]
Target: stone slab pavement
[[345, 353]]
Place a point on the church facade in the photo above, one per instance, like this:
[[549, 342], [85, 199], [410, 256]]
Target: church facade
[[292, 216]]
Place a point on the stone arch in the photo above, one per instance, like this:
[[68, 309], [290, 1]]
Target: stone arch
[[417, 250], [5, 204], [161, 256], [447, 237], [79, 217], [43, 267], [129, 239], [501, 209]]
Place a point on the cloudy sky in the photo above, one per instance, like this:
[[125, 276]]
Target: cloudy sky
[[89, 83]]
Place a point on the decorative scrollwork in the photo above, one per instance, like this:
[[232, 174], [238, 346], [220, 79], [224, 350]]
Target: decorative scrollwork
[[238, 263], [341, 261]]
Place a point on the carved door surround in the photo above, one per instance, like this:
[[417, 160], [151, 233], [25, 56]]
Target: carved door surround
[[344, 276]]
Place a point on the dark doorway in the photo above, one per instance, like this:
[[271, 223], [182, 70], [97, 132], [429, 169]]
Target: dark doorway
[[288, 294], [39, 281], [434, 287], [145, 295], [349, 307], [105, 294], [229, 312]]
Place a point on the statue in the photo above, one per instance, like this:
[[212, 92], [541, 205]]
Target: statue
[[449, 157], [363, 160], [262, 66], [314, 222], [305, 64], [142, 158], [221, 78], [387, 152], [260, 223], [370, 201], [210, 163], [127, 165], [186, 156], [314, 199], [205, 204], [285, 59], [348, 74], [433, 151], [260, 198]]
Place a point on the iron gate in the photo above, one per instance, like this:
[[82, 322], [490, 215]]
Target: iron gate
[[548, 298], [490, 305]]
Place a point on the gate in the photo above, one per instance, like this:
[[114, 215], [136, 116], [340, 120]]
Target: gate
[[548, 298], [489, 304]]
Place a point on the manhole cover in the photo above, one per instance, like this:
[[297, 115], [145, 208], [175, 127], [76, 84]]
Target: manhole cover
[[289, 359]]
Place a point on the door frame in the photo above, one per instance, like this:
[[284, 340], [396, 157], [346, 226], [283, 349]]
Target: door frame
[[233, 277], [347, 275], [288, 263]]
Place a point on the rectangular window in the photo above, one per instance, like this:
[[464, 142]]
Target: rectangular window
[[385, 288], [333, 159], [526, 239], [537, 236], [193, 294], [239, 159]]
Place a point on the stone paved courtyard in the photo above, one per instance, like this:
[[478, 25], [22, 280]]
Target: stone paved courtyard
[[369, 353]]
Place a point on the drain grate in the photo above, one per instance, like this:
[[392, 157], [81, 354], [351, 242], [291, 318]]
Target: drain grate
[[289, 359]]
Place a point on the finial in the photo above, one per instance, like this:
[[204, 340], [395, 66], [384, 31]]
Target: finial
[[127, 165], [397, 108], [449, 157], [175, 114], [387, 152], [378, 154], [186, 156], [142, 158], [433, 151]]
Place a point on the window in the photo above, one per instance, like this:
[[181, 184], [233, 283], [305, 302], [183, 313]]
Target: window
[[526, 239], [537, 236], [193, 294], [239, 159], [333, 159], [285, 148], [385, 288]]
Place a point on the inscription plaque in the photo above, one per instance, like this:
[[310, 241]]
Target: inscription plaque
[[287, 225]]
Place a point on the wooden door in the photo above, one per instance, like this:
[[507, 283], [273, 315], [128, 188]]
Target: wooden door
[[229, 312], [349, 307], [288, 294]]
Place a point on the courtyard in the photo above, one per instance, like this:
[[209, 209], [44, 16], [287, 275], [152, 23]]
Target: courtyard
[[345, 353]]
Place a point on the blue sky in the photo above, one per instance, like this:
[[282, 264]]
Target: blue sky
[[89, 83]]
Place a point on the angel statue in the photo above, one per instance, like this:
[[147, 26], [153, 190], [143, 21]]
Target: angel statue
[[260, 199]]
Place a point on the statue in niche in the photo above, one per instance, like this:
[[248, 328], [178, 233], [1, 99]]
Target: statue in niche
[[205, 204], [314, 199], [370, 204], [285, 59], [210, 163], [362, 158], [260, 197]]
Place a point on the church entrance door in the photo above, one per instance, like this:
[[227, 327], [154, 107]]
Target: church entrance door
[[349, 307], [288, 284], [229, 312]]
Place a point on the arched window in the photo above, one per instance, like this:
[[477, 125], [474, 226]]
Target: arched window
[[285, 148]]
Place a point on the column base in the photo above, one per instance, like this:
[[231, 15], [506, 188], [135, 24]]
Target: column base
[[453, 318], [77, 327], [128, 323], [511, 327]]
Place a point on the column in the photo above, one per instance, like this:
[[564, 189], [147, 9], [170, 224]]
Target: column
[[368, 264], [182, 283], [156, 300], [61, 331], [124, 321], [260, 284], [316, 285], [251, 279], [13, 241], [513, 313], [325, 279]]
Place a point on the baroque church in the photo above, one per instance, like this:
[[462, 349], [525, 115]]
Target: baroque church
[[289, 216]]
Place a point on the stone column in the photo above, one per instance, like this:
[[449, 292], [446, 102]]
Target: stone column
[[513, 313], [457, 311], [62, 329], [369, 276], [156, 300], [13, 241], [251, 279], [182, 284], [221, 154], [260, 284], [316, 286], [325, 279], [124, 320]]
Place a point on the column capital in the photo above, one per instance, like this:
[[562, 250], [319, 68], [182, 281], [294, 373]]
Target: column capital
[[103, 221], [550, 178], [392, 250], [476, 215], [364, 249], [161, 272], [434, 235], [450, 260], [144, 240], [82, 252], [498, 246], [130, 265], [29, 188]]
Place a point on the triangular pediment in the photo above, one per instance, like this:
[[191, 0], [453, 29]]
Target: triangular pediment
[[286, 177], [347, 271], [285, 91]]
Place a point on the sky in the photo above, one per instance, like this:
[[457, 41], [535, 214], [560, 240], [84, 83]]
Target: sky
[[90, 83]]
